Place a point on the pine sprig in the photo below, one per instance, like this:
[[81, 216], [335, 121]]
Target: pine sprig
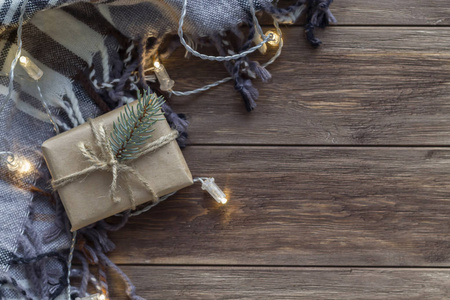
[[133, 127]]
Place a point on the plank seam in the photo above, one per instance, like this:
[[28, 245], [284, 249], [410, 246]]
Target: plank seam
[[400, 146], [287, 267]]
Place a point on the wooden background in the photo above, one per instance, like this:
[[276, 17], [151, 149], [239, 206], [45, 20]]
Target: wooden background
[[339, 181]]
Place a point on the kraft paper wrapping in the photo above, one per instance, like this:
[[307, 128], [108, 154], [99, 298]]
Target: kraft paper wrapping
[[87, 200]]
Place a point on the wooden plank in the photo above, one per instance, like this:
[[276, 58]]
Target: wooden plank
[[365, 86], [388, 12], [285, 283], [302, 206]]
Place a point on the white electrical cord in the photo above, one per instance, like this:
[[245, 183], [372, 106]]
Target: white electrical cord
[[280, 45], [227, 58], [16, 57], [202, 89], [226, 79], [47, 109], [69, 261], [220, 58]]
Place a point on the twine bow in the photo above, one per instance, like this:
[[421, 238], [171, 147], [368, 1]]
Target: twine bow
[[105, 160]]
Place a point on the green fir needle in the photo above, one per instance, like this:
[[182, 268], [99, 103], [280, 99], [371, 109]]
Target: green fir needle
[[134, 126]]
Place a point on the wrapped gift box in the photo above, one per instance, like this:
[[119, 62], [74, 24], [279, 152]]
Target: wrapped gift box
[[87, 199]]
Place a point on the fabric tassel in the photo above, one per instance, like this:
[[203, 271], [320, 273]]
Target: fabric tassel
[[319, 15], [248, 92], [243, 69], [243, 84], [57, 226], [171, 47], [260, 71], [177, 122], [287, 15]]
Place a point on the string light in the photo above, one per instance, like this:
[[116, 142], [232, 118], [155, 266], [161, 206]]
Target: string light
[[36, 73], [101, 297], [209, 185], [17, 164], [275, 38], [16, 56], [166, 84], [93, 297], [31, 68], [258, 39]]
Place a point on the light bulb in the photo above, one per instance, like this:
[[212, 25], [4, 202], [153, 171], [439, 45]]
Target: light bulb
[[275, 40], [93, 297], [165, 83], [17, 164], [101, 297], [31, 68], [25, 167], [257, 39], [213, 189]]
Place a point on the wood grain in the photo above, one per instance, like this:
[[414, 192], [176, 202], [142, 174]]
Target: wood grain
[[365, 86], [286, 283], [388, 12], [302, 206], [314, 207]]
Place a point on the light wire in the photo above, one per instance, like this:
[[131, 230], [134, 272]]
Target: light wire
[[226, 79], [218, 58], [47, 109], [202, 89], [280, 46], [16, 57], [69, 261]]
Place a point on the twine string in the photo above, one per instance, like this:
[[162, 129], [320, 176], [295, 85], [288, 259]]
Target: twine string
[[104, 159]]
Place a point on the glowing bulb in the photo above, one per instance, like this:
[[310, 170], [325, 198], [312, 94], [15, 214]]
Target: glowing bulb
[[101, 297], [24, 60], [213, 189], [275, 40], [26, 167], [165, 83], [257, 39], [93, 297], [20, 165], [13, 163], [31, 68]]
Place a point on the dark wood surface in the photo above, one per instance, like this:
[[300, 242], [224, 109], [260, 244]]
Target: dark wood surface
[[177, 282], [364, 86], [338, 181]]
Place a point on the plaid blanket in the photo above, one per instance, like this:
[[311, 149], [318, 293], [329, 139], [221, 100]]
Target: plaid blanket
[[94, 56]]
